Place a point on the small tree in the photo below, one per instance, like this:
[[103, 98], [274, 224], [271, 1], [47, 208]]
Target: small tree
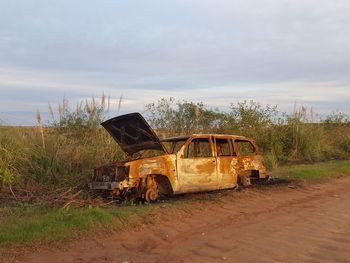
[[173, 117]]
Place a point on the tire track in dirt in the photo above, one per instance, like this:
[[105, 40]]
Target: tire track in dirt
[[275, 224]]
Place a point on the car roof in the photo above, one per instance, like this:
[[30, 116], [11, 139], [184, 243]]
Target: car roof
[[174, 139], [183, 138]]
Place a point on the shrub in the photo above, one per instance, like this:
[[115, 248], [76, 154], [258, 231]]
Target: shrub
[[64, 151]]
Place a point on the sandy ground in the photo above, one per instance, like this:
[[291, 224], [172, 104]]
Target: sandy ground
[[273, 224]]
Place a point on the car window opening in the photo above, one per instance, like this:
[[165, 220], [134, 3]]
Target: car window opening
[[224, 147], [245, 148]]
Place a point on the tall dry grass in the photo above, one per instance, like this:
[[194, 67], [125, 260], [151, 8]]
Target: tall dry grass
[[63, 152]]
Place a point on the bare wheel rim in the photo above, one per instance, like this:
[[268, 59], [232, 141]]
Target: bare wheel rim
[[245, 180], [151, 194]]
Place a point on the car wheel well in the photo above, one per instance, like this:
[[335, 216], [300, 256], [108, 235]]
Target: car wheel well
[[254, 174], [245, 178], [164, 185]]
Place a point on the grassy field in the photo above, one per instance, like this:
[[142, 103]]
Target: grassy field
[[26, 227], [43, 224], [61, 154], [314, 173], [29, 226]]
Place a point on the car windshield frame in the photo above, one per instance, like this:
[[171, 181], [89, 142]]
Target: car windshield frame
[[176, 143]]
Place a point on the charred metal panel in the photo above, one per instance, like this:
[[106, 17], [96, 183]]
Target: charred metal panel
[[253, 163], [132, 133], [158, 165], [110, 172]]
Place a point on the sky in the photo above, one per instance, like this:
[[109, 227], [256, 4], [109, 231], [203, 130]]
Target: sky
[[277, 52]]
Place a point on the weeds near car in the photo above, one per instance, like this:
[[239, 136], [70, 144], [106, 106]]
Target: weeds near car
[[62, 153], [314, 173]]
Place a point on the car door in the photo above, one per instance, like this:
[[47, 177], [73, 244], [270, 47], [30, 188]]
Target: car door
[[196, 165], [227, 162]]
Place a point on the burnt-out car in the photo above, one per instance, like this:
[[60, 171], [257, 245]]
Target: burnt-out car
[[184, 164]]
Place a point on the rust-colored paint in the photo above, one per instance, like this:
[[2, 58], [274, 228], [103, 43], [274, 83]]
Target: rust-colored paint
[[196, 174], [145, 176], [227, 172]]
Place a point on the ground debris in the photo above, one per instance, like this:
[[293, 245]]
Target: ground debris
[[63, 197]]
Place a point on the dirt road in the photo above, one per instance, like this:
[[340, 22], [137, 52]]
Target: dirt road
[[274, 224]]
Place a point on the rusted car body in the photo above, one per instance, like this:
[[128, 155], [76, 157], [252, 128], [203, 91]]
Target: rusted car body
[[185, 164]]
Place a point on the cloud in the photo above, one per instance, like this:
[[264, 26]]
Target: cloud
[[23, 93], [273, 51]]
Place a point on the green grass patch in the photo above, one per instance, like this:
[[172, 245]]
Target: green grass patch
[[29, 226], [26, 226], [314, 173], [35, 224]]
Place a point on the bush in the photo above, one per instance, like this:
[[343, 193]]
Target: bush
[[280, 136], [170, 117], [63, 152]]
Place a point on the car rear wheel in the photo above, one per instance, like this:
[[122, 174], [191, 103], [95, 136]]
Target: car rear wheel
[[244, 180]]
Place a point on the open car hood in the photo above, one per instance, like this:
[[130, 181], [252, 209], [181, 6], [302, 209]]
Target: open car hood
[[133, 133]]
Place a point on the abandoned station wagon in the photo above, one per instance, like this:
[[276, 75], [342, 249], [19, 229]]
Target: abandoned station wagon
[[185, 164]]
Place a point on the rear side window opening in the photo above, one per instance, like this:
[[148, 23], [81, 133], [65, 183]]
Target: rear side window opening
[[224, 147], [245, 148]]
